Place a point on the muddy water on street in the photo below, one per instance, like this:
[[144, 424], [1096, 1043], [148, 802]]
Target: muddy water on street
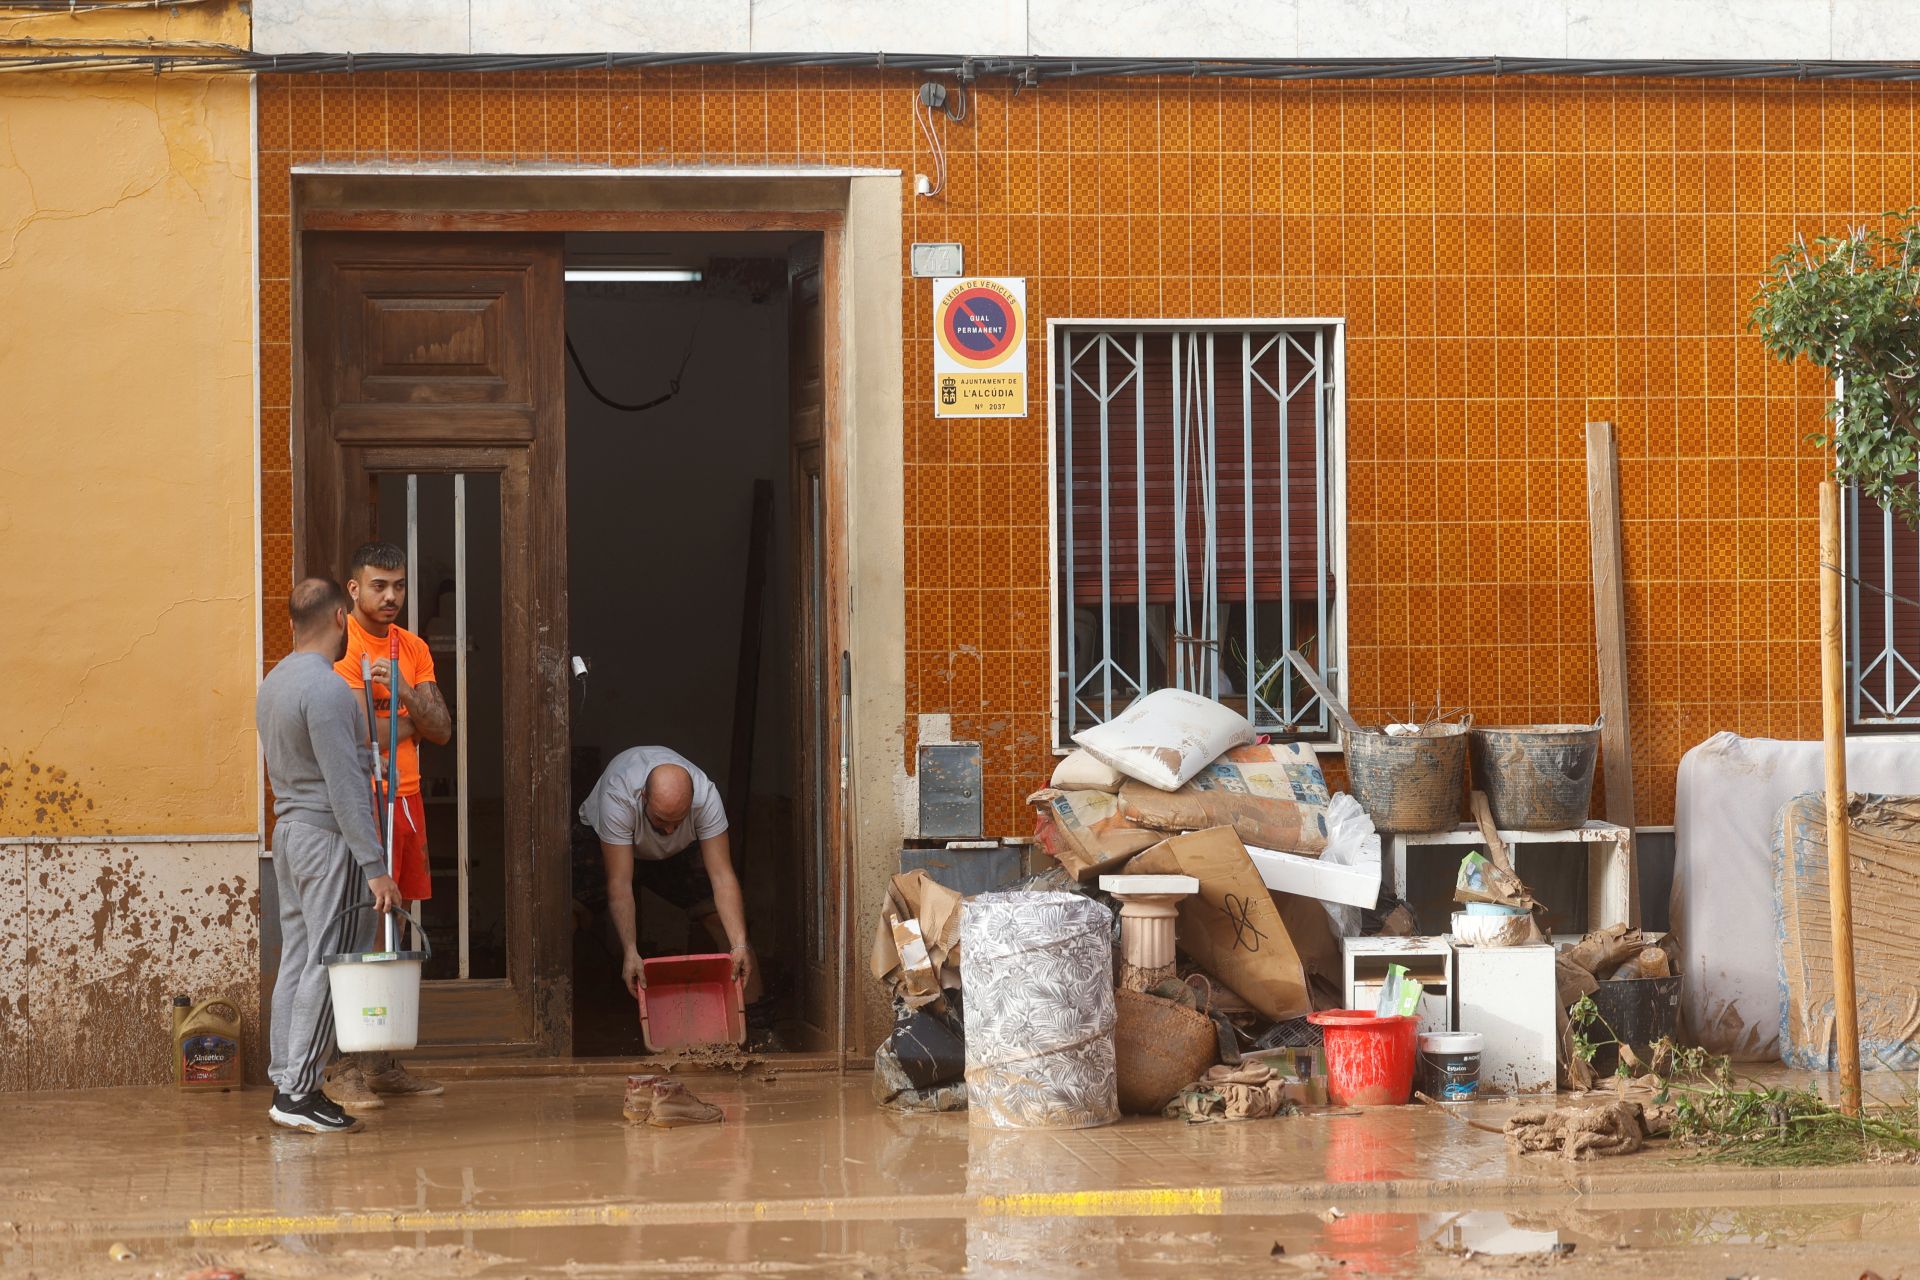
[[806, 1177]]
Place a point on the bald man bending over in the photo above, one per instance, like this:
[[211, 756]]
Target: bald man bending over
[[648, 809]]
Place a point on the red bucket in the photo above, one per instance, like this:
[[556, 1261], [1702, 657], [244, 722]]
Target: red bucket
[[1369, 1058]]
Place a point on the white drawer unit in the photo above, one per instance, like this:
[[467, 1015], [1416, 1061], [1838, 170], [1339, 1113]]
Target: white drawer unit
[[1507, 995], [1364, 966]]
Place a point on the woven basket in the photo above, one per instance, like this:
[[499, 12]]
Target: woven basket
[[1160, 1047]]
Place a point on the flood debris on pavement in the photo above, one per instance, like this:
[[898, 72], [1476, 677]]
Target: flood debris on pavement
[[1257, 963]]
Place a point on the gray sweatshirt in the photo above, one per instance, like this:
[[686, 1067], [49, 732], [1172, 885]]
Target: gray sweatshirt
[[318, 759]]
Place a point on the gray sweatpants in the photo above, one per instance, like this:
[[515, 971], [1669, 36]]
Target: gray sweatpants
[[317, 879]]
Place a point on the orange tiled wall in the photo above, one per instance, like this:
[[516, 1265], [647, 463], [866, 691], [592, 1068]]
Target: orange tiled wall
[[1513, 259]]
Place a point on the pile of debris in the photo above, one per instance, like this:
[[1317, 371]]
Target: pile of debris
[[1213, 942], [1177, 818]]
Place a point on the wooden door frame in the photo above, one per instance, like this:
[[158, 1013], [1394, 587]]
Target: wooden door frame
[[553, 978]]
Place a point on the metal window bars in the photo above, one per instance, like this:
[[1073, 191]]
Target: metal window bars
[[1883, 630], [1146, 422]]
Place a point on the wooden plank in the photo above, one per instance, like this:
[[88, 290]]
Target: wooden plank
[[1610, 639], [440, 220], [1833, 686]]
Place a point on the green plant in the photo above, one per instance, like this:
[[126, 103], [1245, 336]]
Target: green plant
[[1584, 1015], [1850, 305], [1740, 1121]]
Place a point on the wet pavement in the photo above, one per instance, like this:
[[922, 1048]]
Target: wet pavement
[[541, 1177]]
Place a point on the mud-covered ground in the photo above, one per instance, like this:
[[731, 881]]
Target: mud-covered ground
[[540, 1177]]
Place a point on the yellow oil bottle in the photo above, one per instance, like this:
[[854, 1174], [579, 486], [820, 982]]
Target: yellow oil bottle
[[206, 1043]]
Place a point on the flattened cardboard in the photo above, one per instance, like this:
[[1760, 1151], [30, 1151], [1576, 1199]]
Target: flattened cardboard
[[1231, 928]]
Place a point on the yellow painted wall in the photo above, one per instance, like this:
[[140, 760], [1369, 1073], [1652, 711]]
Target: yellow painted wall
[[127, 653]]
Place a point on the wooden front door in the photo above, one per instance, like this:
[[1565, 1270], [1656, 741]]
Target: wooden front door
[[432, 382]]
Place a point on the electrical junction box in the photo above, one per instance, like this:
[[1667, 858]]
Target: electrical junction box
[[949, 777], [936, 259]]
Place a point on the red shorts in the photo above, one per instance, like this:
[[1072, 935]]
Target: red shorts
[[410, 851]]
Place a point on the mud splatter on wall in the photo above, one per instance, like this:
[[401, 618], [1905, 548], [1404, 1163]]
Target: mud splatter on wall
[[95, 940]]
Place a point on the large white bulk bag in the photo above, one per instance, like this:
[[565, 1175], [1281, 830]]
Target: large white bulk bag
[[1037, 972], [1166, 737], [1728, 798]]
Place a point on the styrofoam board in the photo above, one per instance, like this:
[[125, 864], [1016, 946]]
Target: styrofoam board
[[1311, 878], [1507, 995]]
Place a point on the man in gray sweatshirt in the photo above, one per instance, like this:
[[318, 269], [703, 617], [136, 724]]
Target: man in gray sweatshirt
[[326, 850]]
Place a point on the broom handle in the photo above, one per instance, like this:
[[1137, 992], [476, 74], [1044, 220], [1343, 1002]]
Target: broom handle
[[393, 767], [373, 744]]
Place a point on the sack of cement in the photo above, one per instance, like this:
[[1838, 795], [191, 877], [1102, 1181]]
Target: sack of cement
[[1167, 737], [1080, 771], [1265, 821], [1883, 845], [1086, 832]]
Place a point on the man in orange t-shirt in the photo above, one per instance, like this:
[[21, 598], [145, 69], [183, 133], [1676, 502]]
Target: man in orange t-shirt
[[377, 583]]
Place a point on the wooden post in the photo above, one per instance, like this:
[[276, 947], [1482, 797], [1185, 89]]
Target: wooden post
[[1833, 681], [1610, 641]]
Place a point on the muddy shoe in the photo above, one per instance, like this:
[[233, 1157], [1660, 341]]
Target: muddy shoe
[[674, 1105], [346, 1085], [639, 1101], [397, 1082]]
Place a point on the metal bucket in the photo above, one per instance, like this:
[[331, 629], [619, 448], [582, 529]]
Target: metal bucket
[[1537, 777], [1409, 785]]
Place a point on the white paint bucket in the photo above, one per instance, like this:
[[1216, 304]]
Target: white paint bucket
[[376, 995], [1449, 1065]]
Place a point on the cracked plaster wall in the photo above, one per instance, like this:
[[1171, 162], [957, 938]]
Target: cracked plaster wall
[[128, 529]]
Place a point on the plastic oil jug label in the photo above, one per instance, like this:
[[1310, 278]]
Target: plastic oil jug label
[[376, 1014], [206, 1057]]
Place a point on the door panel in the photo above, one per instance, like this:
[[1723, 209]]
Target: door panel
[[816, 705], [437, 357]]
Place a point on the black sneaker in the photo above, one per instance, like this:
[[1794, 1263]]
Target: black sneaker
[[315, 1113]]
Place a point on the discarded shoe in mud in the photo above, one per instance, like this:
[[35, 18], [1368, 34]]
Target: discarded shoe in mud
[[674, 1105], [639, 1101]]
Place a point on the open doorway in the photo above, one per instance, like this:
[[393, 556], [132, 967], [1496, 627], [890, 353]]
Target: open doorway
[[686, 590]]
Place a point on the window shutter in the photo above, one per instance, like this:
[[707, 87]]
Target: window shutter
[[1146, 405]]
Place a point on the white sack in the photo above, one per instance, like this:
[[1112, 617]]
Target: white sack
[[1166, 737], [1081, 771], [1728, 797]]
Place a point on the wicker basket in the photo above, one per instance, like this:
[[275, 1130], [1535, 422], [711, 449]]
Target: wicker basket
[[1160, 1047]]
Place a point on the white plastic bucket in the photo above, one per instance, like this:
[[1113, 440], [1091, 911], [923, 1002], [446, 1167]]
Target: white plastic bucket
[[376, 995]]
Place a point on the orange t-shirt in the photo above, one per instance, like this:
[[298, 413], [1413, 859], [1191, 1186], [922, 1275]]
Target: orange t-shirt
[[416, 666]]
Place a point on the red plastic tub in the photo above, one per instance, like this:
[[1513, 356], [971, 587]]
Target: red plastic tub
[[691, 1000], [1369, 1058]]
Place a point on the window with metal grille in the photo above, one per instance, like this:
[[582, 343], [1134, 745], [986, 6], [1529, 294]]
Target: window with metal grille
[[1195, 508], [1883, 623]]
